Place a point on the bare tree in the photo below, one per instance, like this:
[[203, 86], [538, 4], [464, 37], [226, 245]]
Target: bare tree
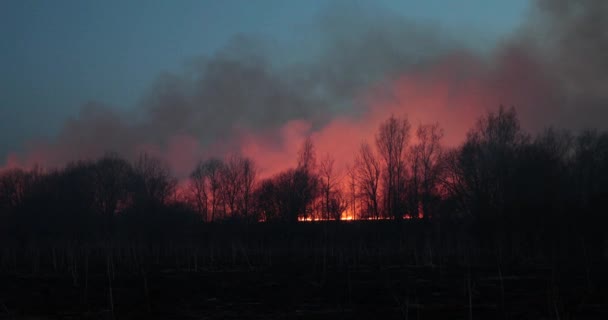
[[267, 201], [223, 186], [351, 174], [368, 174], [591, 166], [425, 169], [205, 183], [248, 178], [286, 196], [329, 184], [198, 188], [305, 179], [482, 170], [14, 184], [392, 140], [153, 181], [113, 183], [230, 184], [237, 179], [307, 159]]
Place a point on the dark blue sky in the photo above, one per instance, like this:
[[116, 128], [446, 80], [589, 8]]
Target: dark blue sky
[[57, 55]]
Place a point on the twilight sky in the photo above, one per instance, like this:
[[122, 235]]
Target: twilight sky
[[59, 55]]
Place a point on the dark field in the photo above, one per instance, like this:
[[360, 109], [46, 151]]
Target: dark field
[[357, 270], [318, 160]]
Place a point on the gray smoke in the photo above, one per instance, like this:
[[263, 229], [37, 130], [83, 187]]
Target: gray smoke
[[553, 70], [570, 39]]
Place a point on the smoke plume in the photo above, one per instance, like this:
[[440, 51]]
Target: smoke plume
[[361, 68]]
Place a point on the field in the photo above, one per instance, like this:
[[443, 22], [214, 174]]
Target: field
[[355, 270]]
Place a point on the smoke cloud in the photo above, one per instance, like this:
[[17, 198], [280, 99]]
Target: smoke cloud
[[361, 68]]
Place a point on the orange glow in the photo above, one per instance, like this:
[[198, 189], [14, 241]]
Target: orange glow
[[439, 94], [347, 215], [453, 92], [352, 218]]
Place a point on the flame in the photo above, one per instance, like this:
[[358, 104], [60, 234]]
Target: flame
[[348, 216]]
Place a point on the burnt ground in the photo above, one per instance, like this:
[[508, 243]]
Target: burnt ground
[[352, 272], [391, 292]]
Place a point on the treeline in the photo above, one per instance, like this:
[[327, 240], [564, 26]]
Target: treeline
[[501, 179]]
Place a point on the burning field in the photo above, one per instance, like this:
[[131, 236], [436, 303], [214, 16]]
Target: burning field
[[389, 170]]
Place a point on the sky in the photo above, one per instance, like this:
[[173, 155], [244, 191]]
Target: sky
[[59, 55]]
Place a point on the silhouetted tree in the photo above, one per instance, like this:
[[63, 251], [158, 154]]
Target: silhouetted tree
[[286, 196], [248, 176], [60, 204], [305, 180], [332, 197], [14, 184], [290, 194], [206, 184], [391, 140], [268, 204], [368, 174], [307, 159], [351, 185], [482, 170], [545, 190], [113, 179], [237, 177], [198, 188], [590, 185], [230, 184], [425, 168], [153, 184], [540, 181], [591, 165]]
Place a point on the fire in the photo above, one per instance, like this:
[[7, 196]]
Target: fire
[[347, 215]]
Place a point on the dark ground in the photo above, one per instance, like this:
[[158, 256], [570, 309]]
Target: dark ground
[[388, 293], [309, 273]]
